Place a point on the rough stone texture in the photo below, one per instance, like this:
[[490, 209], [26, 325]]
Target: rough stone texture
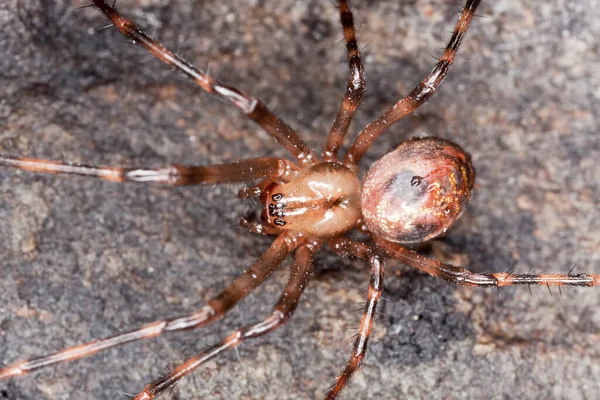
[[83, 259]]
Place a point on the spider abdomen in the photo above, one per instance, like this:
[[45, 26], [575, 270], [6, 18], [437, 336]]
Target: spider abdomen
[[416, 192], [323, 201]]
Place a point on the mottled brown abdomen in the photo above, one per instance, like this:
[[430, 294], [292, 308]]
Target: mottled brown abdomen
[[416, 192]]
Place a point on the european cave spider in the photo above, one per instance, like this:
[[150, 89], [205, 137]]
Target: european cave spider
[[298, 226]]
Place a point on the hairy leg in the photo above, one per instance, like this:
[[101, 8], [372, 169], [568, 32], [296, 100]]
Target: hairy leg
[[347, 247], [300, 274], [249, 105], [354, 90], [176, 175], [464, 277], [420, 94], [214, 310]]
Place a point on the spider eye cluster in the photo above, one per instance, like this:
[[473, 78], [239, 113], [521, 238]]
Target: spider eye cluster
[[416, 192]]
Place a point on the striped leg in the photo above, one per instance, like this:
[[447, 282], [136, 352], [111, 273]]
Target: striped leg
[[348, 247], [300, 274], [214, 310], [420, 94], [354, 90], [251, 106], [176, 175], [464, 277]]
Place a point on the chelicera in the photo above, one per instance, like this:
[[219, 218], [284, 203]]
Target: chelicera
[[414, 193]]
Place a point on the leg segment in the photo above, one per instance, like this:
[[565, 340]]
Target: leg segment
[[259, 188], [214, 310], [177, 175], [464, 277], [420, 94], [345, 247], [354, 90], [252, 107], [258, 228], [299, 276]]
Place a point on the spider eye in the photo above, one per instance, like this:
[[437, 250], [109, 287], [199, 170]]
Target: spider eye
[[416, 192]]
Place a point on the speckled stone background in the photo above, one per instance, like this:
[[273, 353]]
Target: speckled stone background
[[82, 259]]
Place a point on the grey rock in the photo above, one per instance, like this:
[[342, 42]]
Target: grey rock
[[83, 259]]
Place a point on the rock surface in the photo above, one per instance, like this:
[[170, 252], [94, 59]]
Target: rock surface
[[83, 259]]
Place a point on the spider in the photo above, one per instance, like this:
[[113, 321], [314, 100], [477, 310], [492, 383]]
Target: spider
[[344, 246]]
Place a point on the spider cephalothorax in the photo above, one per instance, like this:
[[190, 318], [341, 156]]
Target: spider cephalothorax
[[412, 194], [322, 200]]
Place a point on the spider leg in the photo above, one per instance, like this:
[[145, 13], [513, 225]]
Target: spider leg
[[464, 277], [300, 274], [354, 90], [420, 94], [176, 175], [214, 310], [259, 228], [252, 107], [258, 189], [347, 247]]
